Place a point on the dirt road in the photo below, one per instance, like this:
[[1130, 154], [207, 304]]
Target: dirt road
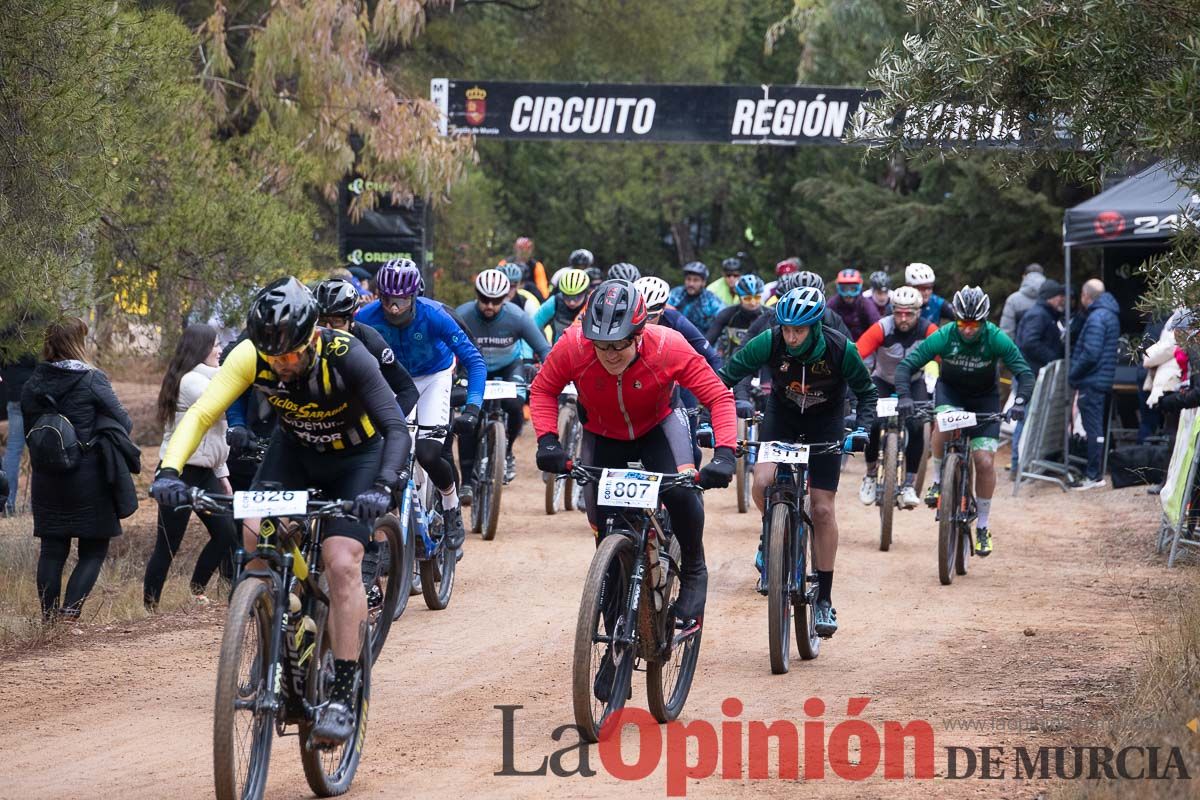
[[131, 716]]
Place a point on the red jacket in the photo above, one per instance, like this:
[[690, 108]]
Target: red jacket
[[630, 405]]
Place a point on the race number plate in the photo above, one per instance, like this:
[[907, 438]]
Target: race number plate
[[499, 390], [783, 453], [886, 407], [569, 390], [954, 420], [249, 505], [631, 488]]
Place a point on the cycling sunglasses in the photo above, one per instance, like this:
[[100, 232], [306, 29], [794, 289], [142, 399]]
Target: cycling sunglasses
[[613, 346], [292, 359], [490, 301], [968, 326], [397, 301]]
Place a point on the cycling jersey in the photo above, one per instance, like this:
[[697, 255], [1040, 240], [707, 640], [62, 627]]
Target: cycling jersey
[[559, 316], [629, 405], [969, 366], [396, 375], [810, 379], [890, 345], [429, 343], [499, 339], [720, 289], [678, 322], [858, 313], [728, 330], [698, 308], [341, 404], [936, 310]]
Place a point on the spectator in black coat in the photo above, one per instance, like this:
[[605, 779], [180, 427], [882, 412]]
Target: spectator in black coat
[[79, 504], [1039, 337]]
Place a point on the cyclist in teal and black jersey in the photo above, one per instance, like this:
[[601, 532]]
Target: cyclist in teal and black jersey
[[560, 311]]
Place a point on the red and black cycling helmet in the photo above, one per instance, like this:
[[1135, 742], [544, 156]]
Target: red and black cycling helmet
[[616, 311]]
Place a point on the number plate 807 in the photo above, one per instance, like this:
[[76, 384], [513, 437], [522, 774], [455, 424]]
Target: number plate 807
[[629, 488]]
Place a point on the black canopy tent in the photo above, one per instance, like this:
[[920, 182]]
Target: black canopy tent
[[1137, 217]]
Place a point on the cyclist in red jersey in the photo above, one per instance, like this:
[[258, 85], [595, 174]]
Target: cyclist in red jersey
[[625, 372]]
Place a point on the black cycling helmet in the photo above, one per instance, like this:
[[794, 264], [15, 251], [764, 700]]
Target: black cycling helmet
[[971, 303], [624, 272], [787, 282], [282, 317], [696, 268], [581, 259], [615, 311], [594, 274], [336, 298], [880, 281], [731, 265]]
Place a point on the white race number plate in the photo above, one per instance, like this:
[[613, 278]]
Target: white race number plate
[[886, 406], [499, 390], [631, 488], [783, 453], [954, 420], [249, 505]]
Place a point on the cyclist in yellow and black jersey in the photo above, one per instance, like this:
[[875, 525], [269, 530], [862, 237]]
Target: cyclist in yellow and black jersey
[[339, 430]]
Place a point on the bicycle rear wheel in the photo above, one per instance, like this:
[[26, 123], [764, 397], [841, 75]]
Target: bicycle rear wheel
[[779, 601], [887, 501], [572, 497], [391, 581], [947, 523], [490, 513], [742, 474], [437, 573], [242, 732], [964, 531], [668, 682], [803, 602], [602, 668], [330, 770]]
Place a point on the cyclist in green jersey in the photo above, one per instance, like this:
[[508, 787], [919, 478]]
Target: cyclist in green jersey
[[971, 350]]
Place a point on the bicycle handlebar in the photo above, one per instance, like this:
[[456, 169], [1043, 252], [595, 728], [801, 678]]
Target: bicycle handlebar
[[583, 475], [220, 503]]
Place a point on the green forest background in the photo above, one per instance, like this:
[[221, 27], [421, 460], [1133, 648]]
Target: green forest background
[[168, 155]]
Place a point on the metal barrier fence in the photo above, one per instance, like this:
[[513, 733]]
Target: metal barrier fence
[[1040, 449], [1181, 511]]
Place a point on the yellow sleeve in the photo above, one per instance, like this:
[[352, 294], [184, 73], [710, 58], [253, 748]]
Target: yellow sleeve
[[234, 377]]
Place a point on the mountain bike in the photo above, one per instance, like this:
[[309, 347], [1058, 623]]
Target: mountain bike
[[276, 665], [421, 513], [892, 464], [789, 577], [748, 431], [625, 616], [956, 505], [561, 490], [490, 450]]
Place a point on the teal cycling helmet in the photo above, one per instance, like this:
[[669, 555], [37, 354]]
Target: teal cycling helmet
[[803, 306], [513, 271], [749, 286]]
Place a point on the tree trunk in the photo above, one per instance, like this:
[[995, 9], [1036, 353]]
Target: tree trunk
[[685, 249]]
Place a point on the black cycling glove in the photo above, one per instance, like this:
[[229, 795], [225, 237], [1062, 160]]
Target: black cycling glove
[[550, 455], [717, 474]]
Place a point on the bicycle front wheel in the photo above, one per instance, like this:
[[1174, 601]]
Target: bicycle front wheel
[[805, 600], [948, 533], [742, 475], [489, 515], [887, 501], [603, 667], [242, 726], [779, 601], [669, 681]]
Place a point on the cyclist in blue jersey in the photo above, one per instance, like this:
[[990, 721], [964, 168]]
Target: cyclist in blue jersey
[[500, 328], [920, 277], [560, 311], [692, 299], [426, 340]]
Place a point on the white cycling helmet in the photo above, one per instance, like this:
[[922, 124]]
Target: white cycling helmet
[[654, 291], [908, 298], [918, 274], [492, 283], [558, 273]]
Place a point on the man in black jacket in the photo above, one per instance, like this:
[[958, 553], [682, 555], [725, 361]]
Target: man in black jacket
[[1039, 337]]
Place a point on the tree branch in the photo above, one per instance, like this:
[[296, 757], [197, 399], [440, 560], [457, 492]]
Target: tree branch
[[505, 3]]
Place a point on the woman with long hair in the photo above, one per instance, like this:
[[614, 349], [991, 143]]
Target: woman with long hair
[[192, 366], [78, 502]]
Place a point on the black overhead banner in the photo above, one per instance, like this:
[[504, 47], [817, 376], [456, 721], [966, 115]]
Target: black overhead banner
[[385, 232], [756, 115]]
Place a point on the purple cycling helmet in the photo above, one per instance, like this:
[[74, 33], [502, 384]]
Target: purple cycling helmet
[[399, 277]]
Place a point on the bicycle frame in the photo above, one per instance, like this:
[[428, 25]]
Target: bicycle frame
[[427, 546]]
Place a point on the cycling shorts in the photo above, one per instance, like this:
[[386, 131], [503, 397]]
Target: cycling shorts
[[983, 437], [339, 474], [433, 403], [782, 424]]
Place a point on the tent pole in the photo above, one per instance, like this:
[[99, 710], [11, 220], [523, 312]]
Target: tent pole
[[1067, 355]]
